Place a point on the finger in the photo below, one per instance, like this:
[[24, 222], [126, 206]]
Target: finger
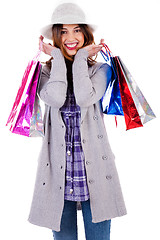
[[41, 38], [102, 40], [97, 46]]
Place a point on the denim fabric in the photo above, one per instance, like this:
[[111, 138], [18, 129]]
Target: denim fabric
[[69, 228]]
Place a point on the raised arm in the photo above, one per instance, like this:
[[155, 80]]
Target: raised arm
[[53, 84], [89, 90]]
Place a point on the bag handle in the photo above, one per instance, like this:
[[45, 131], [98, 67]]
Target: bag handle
[[37, 56], [106, 55]]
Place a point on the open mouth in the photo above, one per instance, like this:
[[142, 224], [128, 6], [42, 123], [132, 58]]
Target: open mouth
[[71, 46]]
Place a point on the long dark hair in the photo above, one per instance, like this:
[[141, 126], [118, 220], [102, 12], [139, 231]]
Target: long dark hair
[[88, 39]]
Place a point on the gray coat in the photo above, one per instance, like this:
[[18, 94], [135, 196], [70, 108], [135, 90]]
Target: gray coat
[[106, 199]]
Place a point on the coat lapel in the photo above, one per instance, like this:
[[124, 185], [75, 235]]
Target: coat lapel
[[83, 113]]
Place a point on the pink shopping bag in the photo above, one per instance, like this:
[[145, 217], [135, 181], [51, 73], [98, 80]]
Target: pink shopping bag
[[26, 117]]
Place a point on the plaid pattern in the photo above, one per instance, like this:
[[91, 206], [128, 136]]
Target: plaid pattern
[[76, 188]]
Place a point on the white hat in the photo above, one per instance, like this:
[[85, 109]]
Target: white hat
[[66, 13]]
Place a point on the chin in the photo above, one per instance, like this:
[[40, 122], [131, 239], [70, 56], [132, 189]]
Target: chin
[[71, 53]]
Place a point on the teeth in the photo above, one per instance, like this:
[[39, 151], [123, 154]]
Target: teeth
[[71, 45]]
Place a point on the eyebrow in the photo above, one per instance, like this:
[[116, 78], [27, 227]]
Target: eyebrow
[[74, 28]]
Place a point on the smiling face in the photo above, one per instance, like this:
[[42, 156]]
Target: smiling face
[[72, 38]]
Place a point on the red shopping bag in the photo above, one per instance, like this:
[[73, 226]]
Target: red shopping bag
[[131, 115]]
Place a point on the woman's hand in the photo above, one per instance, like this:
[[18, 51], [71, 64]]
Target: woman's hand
[[45, 47], [93, 49]]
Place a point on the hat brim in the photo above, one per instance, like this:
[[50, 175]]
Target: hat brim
[[47, 30]]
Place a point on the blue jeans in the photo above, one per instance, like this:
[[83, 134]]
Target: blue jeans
[[93, 231]]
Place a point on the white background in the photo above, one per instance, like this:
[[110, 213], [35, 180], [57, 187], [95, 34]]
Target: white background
[[131, 30]]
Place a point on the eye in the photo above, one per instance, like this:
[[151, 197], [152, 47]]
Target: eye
[[78, 30], [63, 32]]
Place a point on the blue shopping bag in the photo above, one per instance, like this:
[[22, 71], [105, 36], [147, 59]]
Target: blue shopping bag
[[111, 100]]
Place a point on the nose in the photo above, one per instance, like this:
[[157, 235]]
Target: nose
[[70, 37]]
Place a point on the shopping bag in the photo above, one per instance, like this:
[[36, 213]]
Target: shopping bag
[[136, 110], [26, 116], [111, 100], [36, 125], [120, 101], [145, 112], [131, 115]]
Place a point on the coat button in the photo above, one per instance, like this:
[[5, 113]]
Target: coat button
[[62, 145], [48, 142], [69, 153], [83, 140], [95, 117], [62, 126], [91, 181], [44, 183], [61, 167], [108, 177], [60, 187], [100, 136], [104, 157], [87, 162], [47, 164]]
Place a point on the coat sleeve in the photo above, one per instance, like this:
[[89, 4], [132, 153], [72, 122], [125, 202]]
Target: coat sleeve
[[88, 90], [53, 84]]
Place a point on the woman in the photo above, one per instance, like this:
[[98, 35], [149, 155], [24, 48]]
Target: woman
[[76, 168]]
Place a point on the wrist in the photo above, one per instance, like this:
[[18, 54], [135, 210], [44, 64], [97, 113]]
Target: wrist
[[82, 53], [56, 52]]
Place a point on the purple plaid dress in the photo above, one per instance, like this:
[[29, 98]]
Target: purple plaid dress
[[76, 188]]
